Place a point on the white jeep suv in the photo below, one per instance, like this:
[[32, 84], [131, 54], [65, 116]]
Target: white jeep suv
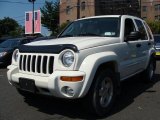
[[88, 60]]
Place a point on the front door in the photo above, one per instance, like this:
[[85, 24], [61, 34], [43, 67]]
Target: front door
[[130, 63]]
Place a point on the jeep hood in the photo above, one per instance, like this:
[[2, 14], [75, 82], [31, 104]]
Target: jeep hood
[[80, 42]]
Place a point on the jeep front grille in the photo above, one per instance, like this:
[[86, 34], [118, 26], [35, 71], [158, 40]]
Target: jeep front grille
[[36, 63]]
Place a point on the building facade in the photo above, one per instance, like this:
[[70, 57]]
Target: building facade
[[75, 9], [150, 9], [114, 7]]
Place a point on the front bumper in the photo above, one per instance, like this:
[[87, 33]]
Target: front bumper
[[49, 85]]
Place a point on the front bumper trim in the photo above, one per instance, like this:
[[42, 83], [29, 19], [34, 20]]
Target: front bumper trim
[[52, 84]]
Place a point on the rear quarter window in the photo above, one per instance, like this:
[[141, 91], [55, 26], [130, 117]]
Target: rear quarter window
[[141, 29], [148, 30]]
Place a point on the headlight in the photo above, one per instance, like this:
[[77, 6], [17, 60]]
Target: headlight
[[15, 55], [68, 58], [3, 54]]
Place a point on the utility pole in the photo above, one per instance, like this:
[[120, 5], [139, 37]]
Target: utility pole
[[140, 6], [78, 9], [32, 1]]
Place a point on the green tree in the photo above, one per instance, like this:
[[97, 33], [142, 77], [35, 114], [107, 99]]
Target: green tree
[[19, 31], [155, 26], [9, 27], [50, 16]]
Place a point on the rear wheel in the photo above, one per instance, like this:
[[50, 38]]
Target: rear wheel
[[102, 93], [148, 74]]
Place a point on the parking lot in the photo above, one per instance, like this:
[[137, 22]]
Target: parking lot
[[137, 101]]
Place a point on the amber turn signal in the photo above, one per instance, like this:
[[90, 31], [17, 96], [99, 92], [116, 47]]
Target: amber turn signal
[[71, 79]]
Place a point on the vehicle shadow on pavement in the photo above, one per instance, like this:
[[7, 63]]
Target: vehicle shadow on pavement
[[73, 108], [131, 89], [3, 66]]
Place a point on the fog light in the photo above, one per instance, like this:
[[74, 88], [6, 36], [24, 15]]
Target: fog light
[[69, 91]]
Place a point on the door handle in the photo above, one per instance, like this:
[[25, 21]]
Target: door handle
[[138, 45]]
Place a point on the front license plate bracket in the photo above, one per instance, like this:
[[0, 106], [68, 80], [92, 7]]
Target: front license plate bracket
[[27, 84]]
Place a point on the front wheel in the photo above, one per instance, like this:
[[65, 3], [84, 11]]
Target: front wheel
[[102, 93]]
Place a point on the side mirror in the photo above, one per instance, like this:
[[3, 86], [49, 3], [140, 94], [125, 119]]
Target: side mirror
[[133, 36]]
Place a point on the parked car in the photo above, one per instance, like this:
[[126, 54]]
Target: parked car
[[157, 46], [88, 60], [8, 46], [4, 38]]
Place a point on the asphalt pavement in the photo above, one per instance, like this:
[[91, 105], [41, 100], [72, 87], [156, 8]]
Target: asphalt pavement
[[137, 101]]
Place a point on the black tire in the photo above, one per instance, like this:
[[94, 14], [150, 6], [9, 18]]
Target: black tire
[[102, 93], [148, 74]]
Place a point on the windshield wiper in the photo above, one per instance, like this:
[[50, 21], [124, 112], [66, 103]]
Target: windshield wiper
[[67, 35], [89, 34], [82, 34]]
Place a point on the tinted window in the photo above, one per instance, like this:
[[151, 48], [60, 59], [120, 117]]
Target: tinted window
[[106, 27], [148, 30], [141, 30], [129, 27]]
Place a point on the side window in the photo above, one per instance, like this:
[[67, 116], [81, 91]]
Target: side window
[[148, 30], [141, 29], [129, 27]]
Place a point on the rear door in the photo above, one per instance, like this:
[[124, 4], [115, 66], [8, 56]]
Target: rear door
[[146, 43]]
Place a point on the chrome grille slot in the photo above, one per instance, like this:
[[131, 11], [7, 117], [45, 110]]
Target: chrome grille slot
[[33, 63], [51, 63], [39, 64], [44, 64], [28, 63], [20, 62], [24, 63]]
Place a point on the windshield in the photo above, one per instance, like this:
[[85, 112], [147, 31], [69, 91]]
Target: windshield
[[104, 27], [10, 43]]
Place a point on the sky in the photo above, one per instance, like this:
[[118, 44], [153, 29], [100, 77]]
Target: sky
[[17, 10]]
